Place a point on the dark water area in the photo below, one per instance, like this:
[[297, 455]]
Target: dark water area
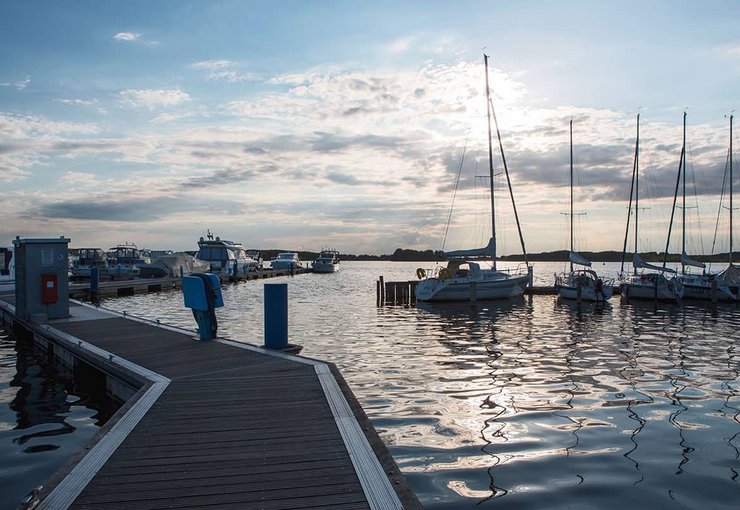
[[530, 403], [47, 413]]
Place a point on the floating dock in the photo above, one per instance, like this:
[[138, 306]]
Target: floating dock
[[119, 288], [217, 424]]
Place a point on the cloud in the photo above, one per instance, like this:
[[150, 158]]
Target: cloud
[[79, 102], [224, 70], [153, 98], [126, 36], [20, 85]]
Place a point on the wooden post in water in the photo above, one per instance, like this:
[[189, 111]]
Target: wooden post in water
[[714, 291], [579, 289], [381, 292], [655, 289]]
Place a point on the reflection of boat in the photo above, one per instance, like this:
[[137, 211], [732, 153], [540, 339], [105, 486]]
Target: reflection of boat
[[326, 262], [580, 284], [707, 286], [654, 285], [225, 257], [124, 261], [464, 279], [286, 260], [87, 259]]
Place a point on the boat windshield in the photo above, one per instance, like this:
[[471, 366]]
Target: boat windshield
[[214, 253]]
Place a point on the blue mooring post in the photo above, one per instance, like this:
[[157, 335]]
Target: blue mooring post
[[94, 279], [95, 285], [276, 315]]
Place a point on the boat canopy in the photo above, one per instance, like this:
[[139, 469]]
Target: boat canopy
[[579, 259], [688, 261], [730, 276], [638, 263], [488, 251]]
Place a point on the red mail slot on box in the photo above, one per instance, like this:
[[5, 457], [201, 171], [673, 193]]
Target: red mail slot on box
[[49, 289]]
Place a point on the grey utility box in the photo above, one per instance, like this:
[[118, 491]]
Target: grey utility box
[[41, 279]]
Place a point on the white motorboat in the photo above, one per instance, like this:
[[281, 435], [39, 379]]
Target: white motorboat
[[653, 285], [463, 279], [326, 262], [580, 284], [225, 257], [87, 259], [124, 261], [286, 260]]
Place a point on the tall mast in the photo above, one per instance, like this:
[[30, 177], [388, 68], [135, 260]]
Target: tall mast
[[683, 200], [637, 182], [571, 192], [629, 207], [490, 159], [731, 189]]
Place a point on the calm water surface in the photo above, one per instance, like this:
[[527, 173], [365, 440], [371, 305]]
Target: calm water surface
[[47, 414], [530, 403], [518, 404]]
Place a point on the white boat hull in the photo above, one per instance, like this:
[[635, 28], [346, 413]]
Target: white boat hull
[[703, 290], [587, 293], [324, 268], [461, 289], [648, 290], [584, 285]]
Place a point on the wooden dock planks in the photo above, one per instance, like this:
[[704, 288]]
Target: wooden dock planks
[[224, 407], [232, 428]]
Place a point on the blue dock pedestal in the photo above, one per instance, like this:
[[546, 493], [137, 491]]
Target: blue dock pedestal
[[276, 315]]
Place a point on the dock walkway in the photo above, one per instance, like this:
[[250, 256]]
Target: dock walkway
[[217, 424]]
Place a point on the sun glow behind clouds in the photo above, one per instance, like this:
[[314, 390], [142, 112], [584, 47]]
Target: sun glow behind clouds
[[325, 153]]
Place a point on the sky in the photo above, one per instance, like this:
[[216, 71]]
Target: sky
[[350, 124]]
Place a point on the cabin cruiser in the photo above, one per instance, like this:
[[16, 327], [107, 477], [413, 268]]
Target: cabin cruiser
[[225, 257], [256, 256], [326, 262], [87, 259], [124, 261], [173, 265], [286, 260]]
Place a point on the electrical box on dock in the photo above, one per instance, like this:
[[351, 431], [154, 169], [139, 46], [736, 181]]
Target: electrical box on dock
[[41, 278]]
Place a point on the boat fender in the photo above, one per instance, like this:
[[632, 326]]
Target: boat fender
[[420, 273], [445, 274]]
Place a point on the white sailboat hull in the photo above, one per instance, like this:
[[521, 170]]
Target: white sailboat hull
[[591, 287], [496, 286], [587, 293], [664, 290], [701, 288]]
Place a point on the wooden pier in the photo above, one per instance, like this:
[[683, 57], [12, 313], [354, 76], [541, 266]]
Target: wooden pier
[[217, 424]]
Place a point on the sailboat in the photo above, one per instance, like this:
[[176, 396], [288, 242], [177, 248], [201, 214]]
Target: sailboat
[[580, 284], [652, 285], [731, 275], [707, 286], [464, 279]]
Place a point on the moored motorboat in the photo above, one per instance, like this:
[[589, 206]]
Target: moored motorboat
[[225, 257], [87, 259], [286, 260], [124, 261], [326, 262]]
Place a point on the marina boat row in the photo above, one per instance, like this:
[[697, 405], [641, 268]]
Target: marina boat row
[[465, 279]]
